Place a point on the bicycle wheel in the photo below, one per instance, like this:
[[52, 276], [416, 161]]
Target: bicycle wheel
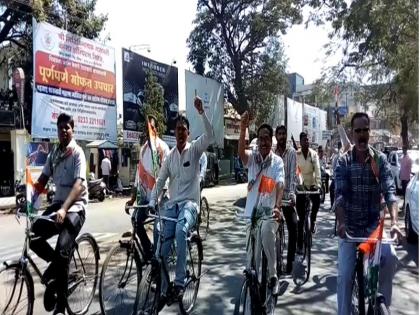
[[16, 290], [204, 218], [243, 302], [302, 268], [120, 280], [83, 275], [358, 291], [149, 290], [192, 281]]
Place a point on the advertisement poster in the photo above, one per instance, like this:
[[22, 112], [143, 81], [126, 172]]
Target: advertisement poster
[[135, 69], [38, 152], [211, 92], [294, 119], [74, 75]]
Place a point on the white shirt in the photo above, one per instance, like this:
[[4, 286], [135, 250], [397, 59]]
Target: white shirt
[[106, 166], [145, 159], [183, 170], [203, 166], [263, 191]]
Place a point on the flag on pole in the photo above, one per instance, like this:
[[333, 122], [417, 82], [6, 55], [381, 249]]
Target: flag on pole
[[33, 191]]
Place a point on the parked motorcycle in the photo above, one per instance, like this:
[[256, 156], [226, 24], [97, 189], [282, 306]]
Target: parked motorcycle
[[50, 192], [242, 176], [20, 193], [96, 188]]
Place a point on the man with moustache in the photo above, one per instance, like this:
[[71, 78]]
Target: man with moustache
[[66, 164], [182, 167], [363, 183], [265, 192], [288, 155]]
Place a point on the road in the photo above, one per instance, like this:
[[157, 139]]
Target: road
[[224, 259]]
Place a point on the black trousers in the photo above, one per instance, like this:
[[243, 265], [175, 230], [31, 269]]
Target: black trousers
[[291, 222], [138, 218], [300, 207], [61, 255], [404, 184], [106, 180], [332, 192]]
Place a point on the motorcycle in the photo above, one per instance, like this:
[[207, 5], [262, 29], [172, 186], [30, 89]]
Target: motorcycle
[[20, 193], [242, 176], [50, 192], [96, 188]]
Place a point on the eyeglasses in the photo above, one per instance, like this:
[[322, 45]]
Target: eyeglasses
[[359, 130]]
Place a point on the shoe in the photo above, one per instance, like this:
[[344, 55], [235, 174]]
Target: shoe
[[274, 285], [50, 296], [60, 308], [179, 292]]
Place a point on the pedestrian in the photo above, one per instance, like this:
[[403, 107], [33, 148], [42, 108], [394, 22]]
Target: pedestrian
[[106, 170], [405, 170], [363, 183], [236, 166]]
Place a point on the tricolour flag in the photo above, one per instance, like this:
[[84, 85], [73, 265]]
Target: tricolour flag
[[33, 191]]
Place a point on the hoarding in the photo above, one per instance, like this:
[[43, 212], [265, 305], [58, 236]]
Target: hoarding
[[76, 76]]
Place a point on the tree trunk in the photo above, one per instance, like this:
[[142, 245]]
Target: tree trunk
[[404, 130]]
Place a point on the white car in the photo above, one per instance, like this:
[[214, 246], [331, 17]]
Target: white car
[[412, 209], [394, 159]]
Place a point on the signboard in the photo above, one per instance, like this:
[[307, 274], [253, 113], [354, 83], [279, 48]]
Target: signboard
[[135, 69], [74, 75], [211, 92], [326, 134], [294, 119], [342, 110]]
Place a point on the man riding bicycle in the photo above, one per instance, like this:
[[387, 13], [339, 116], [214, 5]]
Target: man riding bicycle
[[308, 166], [288, 155], [183, 170], [265, 192], [363, 183], [146, 174], [66, 164]]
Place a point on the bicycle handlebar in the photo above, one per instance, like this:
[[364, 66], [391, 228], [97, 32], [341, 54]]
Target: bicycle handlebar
[[164, 218], [352, 239]]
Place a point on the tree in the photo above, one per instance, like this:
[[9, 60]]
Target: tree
[[237, 40], [77, 16], [154, 103], [379, 39]]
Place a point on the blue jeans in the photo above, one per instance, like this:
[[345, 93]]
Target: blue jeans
[[186, 213], [346, 267]]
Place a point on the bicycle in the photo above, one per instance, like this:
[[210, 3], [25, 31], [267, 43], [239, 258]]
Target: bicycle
[[122, 271], [255, 296], [151, 282], [203, 218], [366, 278], [17, 282], [302, 266]]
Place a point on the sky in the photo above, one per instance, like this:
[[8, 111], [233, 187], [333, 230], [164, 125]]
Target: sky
[[164, 25]]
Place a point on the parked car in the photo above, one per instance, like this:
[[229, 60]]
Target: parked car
[[394, 159], [412, 209]]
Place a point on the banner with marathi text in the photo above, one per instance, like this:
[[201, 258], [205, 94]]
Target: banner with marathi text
[[74, 75]]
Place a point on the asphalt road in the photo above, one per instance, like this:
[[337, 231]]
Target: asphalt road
[[224, 259]]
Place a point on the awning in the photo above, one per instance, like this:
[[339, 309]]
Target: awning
[[234, 137], [102, 144]]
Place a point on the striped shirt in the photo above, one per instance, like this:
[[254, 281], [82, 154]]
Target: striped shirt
[[358, 190], [289, 160]]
